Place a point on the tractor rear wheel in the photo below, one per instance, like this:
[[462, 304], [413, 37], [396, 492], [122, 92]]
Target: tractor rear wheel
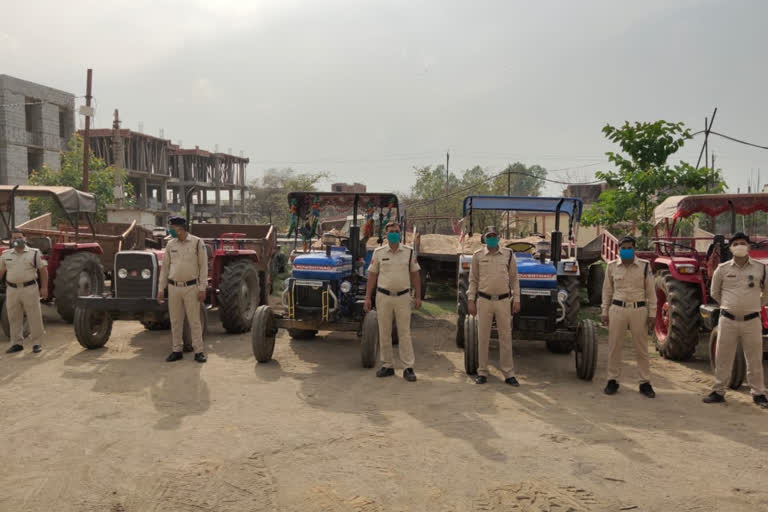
[[470, 345], [369, 343], [586, 350], [92, 328], [423, 282], [239, 295], [79, 274], [677, 317], [573, 303], [739, 368], [263, 334], [6, 325], [462, 310], [595, 280]]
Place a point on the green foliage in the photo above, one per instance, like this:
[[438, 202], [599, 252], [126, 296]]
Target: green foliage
[[101, 182], [268, 203], [643, 178]]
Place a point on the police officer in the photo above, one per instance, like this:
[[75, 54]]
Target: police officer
[[629, 302], [392, 273], [185, 274], [741, 288], [494, 291], [20, 265]]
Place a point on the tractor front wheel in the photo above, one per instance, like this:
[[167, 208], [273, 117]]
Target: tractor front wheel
[[462, 309], [586, 350], [80, 274], [239, 295], [470, 345], [369, 343], [677, 317], [263, 334], [739, 368], [92, 328]]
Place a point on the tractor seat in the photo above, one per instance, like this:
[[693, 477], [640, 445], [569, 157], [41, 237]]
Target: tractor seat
[[42, 243]]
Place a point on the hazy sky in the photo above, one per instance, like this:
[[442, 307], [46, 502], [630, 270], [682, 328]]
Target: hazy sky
[[367, 90]]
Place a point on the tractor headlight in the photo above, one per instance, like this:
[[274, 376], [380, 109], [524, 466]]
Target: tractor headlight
[[345, 287], [686, 268], [570, 266], [146, 273], [122, 273]]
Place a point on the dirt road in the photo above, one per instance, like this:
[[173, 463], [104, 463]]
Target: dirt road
[[119, 429]]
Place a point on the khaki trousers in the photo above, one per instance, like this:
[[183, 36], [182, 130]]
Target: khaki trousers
[[19, 301], [182, 301], [636, 320], [399, 308], [502, 310], [751, 335]]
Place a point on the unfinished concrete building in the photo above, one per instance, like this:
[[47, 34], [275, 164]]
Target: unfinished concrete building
[[36, 122]]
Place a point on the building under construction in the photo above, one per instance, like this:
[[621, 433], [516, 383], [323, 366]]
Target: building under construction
[[162, 172]]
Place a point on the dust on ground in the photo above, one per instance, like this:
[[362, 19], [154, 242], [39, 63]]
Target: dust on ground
[[120, 430]]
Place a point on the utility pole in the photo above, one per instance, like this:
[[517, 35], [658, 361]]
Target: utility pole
[[509, 193], [87, 141], [119, 159], [706, 142]]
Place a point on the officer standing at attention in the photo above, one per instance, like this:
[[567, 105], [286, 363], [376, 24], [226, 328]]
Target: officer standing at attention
[[629, 302], [494, 291], [20, 265], [741, 288], [185, 274], [392, 273]]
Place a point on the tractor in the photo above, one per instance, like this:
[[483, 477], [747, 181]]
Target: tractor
[[549, 282], [74, 265], [326, 289], [239, 280]]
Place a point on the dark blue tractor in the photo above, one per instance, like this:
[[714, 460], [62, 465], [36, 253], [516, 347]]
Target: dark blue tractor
[[326, 289], [549, 282]]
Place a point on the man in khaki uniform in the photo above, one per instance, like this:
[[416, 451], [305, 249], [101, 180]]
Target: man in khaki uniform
[[741, 288], [392, 273], [20, 265], [629, 302], [494, 291], [185, 274]]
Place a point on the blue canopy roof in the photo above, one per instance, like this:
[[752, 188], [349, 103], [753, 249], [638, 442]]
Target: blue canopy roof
[[571, 206]]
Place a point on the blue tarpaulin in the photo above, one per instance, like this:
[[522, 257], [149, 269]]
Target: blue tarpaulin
[[570, 206]]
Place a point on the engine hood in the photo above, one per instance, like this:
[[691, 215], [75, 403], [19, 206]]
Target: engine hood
[[535, 274], [318, 265]]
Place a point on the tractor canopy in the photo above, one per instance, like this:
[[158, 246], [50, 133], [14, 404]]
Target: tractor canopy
[[570, 206], [679, 207], [70, 199]]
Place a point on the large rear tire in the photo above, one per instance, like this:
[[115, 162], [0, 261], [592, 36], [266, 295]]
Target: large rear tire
[[595, 280], [573, 303], [677, 317], [263, 334], [79, 274], [369, 343], [6, 324], [470, 345], [586, 350], [92, 328], [462, 309], [239, 295], [739, 369]]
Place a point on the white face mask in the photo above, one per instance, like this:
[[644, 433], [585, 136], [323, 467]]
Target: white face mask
[[740, 251]]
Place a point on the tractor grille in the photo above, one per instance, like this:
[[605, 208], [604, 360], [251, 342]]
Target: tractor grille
[[133, 285], [309, 294]]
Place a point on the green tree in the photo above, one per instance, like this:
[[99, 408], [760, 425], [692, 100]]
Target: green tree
[[643, 178], [101, 182], [268, 202]]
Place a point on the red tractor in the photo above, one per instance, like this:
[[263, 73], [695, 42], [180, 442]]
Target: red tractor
[[684, 265], [74, 265]]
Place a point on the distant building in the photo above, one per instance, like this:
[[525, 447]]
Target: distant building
[[346, 187], [36, 122]]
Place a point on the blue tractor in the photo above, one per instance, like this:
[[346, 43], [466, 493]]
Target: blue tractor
[[549, 282], [326, 289]]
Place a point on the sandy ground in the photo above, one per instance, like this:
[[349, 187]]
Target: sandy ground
[[119, 429]]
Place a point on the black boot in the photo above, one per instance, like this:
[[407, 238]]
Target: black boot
[[174, 356], [200, 357], [761, 401], [612, 387], [14, 348], [480, 379], [512, 381], [647, 390], [713, 398], [409, 375], [385, 372], [37, 349]]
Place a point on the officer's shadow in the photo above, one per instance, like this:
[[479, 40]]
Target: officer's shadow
[[177, 389]]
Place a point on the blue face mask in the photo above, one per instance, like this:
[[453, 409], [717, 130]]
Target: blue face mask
[[626, 254], [492, 242], [393, 238], [173, 233]]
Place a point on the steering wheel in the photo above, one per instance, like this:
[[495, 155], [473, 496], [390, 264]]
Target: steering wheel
[[521, 246]]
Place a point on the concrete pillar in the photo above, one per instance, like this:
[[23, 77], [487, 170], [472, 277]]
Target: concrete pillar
[[144, 192], [164, 194]]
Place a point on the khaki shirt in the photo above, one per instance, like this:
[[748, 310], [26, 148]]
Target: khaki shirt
[[394, 267], [494, 273], [731, 287], [629, 283], [185, 261], [20, 267]]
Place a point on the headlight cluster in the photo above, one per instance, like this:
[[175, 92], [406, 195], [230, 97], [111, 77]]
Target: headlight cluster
[[345, 287], [145, 273], [122, 273]]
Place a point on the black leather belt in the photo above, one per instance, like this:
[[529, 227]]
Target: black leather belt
[[623, 304], [393, 294], [184, 283], [494, 297], [745, 318], [22, 285]]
